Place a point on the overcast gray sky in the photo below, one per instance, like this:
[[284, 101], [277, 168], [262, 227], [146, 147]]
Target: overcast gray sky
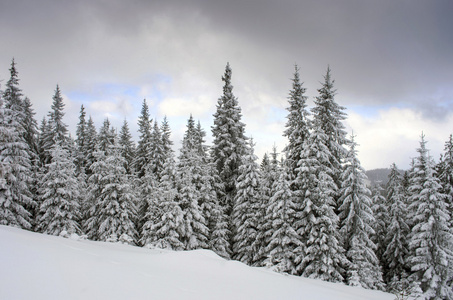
[[392, 62]]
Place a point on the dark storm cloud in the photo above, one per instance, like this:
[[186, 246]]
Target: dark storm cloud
[[383, 54]]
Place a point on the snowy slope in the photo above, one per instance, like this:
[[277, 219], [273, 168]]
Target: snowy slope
[[36, 266]]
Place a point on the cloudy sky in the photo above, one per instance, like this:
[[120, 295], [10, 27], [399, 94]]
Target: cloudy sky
[[392, 62]]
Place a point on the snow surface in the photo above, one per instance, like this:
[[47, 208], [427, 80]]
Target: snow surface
[[37, 266]]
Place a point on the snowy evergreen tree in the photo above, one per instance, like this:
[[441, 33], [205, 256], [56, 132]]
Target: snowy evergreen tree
[[157, 151], [246, 203], [81, 140], [166, 133], [298, 124], [320, 255], [57, 129], [142, 157], [164, 231], [59, 190], [356, 225], [283, 238], [270, 173], [229, 145], [12, 96], [445, 175], [430, 256], [330, 115], [194, 232], [381, 215], [397, 233], [191, 169], [16, 200], [106, 137], [127, 147], [90, 146], [112, 211], [150, 209]]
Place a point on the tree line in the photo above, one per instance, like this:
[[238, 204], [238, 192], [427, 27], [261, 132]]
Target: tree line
[[306, 211]]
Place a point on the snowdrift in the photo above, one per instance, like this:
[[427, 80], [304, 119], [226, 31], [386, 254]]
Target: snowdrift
[[36, 266]]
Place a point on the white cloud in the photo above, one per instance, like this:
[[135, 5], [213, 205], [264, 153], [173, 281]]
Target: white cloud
[[393, 135]]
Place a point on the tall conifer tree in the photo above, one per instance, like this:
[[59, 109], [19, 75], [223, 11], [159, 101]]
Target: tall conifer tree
[[430, 256], [59, 189], [229, 145], [330, 115], [298, 124], [356, 225]]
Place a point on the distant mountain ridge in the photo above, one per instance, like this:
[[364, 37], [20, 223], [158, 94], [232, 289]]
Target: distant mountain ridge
[[378, 176]]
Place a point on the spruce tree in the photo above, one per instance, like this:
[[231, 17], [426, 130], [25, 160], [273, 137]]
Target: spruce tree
[[90, 146], [150, 208], [445, 175], [380, 209], [244, 215], [59, 190], [283, 238], [164, 230], [106, 138], [166, 133], [430, 254], [270, 173], [320, 255], [356, 225], [298, 124], [57, 129], [81, 140], [397, 234], [16, 200], [229, 145], [330, 116], [142, 157], [157, 151], [112, 210], [127, 147], [191, 168]]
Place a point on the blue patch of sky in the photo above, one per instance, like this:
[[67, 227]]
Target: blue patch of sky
[[370, 111], [104, 91]]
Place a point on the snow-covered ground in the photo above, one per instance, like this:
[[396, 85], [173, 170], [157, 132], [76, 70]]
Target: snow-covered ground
[[36, 266]]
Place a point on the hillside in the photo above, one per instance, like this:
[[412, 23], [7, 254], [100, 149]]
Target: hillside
[[36, 266]]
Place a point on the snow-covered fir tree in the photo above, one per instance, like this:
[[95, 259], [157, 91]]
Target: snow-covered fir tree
[[283, 238], [16, 199], [430, 252], [144, 143], [165, 130], [330, 115], [111, 198], [149, 207], [298, 124], [157, 151], [246, 203], [381, 216], [81, 140], [190, 171], [270, 173], [57, 130], [164, 231], [396, 234], [106, 137], [59, 191], [356, 229], [229, 144], [90, 145], [127, 147], [320, 255], [445, 175]]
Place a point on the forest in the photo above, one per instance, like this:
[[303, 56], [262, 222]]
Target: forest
[[306, 211]]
